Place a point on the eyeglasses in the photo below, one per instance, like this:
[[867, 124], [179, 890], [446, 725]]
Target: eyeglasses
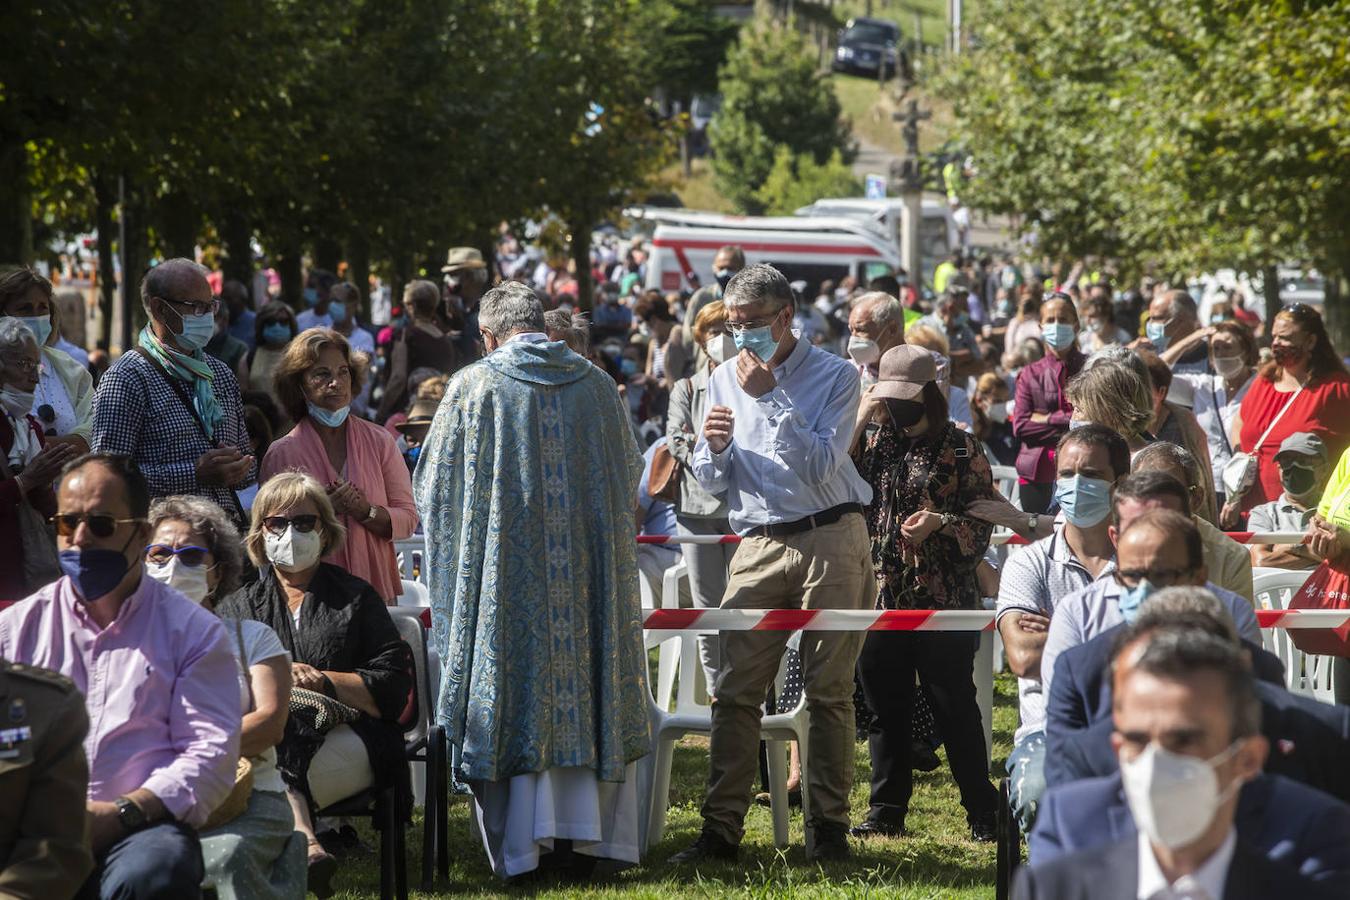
[[101, 525], [24, 365], [197, 308], [319, 377], [161, 554], [740, 328], [304, 524], [1157, 577]]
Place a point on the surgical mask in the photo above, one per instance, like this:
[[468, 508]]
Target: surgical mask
[[197, 331], [628, 367], [1133, 598], [330, 417], [645, 330], [1155, 332], [190, 581], [1216, 318], [723, 276], [1297, 480], [292, 551], [1058, 335], [1286, 356], [94, 571], [41, 326], [1173, 798], [864, 351], [16, 402], [276, 333], [311, 296], [961, 320], [337, 311], [1228, 366], [720, 348], [998, 412], [1085, 501], [759, 341]]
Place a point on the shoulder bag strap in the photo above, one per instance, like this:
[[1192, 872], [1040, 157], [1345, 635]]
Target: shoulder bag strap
[[1256, 449], [1218, 411], [243, 663]]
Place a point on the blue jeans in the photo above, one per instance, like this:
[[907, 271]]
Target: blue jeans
[[1026, 770], [162, 862]]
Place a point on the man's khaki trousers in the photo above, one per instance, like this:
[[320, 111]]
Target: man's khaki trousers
[[829, 567]]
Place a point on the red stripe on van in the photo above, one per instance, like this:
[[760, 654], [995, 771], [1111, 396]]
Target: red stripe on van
[[764, 247]]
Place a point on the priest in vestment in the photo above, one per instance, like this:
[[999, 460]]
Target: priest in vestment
[[526, 486]]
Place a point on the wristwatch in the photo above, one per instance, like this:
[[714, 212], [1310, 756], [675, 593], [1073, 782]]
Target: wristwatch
[[1033, 521], [370, 516], [130, 815]]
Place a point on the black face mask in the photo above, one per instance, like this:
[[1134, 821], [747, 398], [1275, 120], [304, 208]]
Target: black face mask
[[904, 413], [1297, 480]]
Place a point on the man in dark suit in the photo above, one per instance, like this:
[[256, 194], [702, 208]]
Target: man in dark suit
[[1187, 737], [1309, 740]]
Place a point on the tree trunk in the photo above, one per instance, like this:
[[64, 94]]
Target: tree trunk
[[135, 261], [1334, 310], [178, 220], [292, 284], [327, 254], [581, 257], [16, 225], [1270, 287], [238, 264], [358, 273], [105, 198]]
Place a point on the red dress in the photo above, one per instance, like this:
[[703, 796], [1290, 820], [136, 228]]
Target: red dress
[[1323, 409]]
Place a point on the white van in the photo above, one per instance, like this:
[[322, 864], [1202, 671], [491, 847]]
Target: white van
[[809, 250], [937, 237]]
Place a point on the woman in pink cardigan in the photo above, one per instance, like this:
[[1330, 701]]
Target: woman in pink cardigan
[[356, 460]]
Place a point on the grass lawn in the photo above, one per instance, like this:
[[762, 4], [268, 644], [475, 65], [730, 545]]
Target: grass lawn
[[870, 109], [937, 859]]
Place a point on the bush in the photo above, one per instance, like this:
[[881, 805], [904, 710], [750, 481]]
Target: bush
[[796, 181]]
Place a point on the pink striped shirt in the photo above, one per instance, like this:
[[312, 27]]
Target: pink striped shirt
[[160, 683]]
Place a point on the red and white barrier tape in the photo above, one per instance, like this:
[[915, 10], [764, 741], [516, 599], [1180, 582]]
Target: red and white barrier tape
[[999, 537], [907, 619]]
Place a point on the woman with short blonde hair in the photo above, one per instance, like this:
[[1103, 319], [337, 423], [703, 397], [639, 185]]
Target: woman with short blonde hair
[[356, 461]]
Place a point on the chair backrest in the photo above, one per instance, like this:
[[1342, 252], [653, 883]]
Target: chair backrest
[[411, 555], [409, 625], [1273, 589], [415, 594], [1005, 479]]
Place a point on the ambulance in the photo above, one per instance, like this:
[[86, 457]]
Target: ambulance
[[812, 250], [937, 231]]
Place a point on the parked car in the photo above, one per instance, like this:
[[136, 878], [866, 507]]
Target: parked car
[[866, 45]]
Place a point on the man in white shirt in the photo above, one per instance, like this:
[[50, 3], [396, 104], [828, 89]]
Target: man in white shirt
[[1187, 735], [775, 443]]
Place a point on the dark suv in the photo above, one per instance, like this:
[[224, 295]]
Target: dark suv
[[866, 45]]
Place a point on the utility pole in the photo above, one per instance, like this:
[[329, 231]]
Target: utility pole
[[954, 25], [909, 173]]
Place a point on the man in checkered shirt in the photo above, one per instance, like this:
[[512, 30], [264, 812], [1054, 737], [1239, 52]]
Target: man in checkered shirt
[[174, 410]]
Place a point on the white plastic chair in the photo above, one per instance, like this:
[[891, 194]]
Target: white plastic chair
[[984, 683], [1005, 479], [411, 556], [415, 593], [1305, 674]]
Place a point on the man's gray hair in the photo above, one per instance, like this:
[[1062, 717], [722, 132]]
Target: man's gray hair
[[1185, 652], [573, 329], [1163, 454], [1126, 357], [15, 336], [756, 285], [510, 308], [169, 279], [1180, 301], [1184, 606], [209, 522], [882, 308]]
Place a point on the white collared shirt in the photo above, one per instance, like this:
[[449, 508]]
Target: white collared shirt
[[528, 337], [1205, 883]]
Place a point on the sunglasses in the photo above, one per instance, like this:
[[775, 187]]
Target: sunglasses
[[303, 524], [101, 525], [161, 554]]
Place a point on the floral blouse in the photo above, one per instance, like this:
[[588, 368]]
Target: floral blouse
[[942, 472]]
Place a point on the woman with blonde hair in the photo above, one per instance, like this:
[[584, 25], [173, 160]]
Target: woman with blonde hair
[[1115, 395], [356, 461]]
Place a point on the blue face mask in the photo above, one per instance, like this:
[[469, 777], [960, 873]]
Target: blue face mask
[[628, 367], [330, 417], [1058, 335], [197, 331], [1133, 598], [412, 454], [311, 296], [276, 333], [758, 341], [962, 320], [337, 311], [93, 571], [1154, 331], [41, 326], [1086, 501]]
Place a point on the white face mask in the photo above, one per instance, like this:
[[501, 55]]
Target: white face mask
[[720, 348], [292, 551], [864, 351], [190, 581], [1172, 797], [1228, 366], [998, 412], [16, 402]]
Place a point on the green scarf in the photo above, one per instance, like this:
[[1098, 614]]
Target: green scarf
[[195, 371]]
